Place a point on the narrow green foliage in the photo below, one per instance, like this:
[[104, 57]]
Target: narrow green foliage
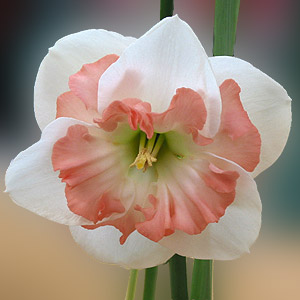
[[202, 280], [150, 283], [177, 266], [166, 8], [226, 18], [130, 294]]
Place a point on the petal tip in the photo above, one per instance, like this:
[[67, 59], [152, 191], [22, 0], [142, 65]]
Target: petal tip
[[176, 18], [173, 21]]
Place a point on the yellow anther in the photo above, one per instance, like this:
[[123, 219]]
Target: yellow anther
[[150, 159], [143, 160], [140, 162], [148, 150]]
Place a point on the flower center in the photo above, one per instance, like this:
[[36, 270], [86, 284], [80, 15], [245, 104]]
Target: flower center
[[148, 151]]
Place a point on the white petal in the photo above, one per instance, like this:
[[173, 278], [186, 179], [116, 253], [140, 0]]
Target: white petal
[[32, 183], [267, 103], [103, 243], [65, 58], [236, 231], [167, 57]]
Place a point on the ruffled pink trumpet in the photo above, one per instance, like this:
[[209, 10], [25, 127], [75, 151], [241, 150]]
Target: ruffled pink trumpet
[[153, 149]]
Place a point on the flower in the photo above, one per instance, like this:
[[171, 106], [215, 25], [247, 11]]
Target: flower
[[149, 147]]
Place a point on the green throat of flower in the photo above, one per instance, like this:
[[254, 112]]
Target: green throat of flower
[[148, 151]]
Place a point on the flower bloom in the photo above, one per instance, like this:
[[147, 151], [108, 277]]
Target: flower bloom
[[149, 147]]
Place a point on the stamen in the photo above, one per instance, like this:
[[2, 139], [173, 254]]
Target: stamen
[[140, 160], [143, 160], [142, 140], [148, 152], [158, 145], [151, 142]]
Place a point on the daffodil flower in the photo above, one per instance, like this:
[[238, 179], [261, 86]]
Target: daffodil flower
[[149, 147]]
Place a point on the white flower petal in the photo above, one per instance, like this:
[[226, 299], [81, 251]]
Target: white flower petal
[[65, 58], [267, 103], [235, 232], [32, 183], [167, 57], [103, 243]]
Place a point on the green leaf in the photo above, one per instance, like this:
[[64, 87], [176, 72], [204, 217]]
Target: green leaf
[[150, 283], [178, 279], [166, 8], [130, 294], [202, 280], [226, 17]]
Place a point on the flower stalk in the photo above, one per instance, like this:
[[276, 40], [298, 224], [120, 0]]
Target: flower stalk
[[178, 278], [202, 280], [166, 8], [226, 17], [150, 283], [130, 294], [177, 264]]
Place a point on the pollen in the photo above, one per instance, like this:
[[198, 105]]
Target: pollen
[[143, 160], [148, 151]]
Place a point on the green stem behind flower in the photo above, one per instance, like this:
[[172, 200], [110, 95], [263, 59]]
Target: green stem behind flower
[[130, 294], [166, 8], [177, 265], [226, 17], [202, 280], [150, 283]]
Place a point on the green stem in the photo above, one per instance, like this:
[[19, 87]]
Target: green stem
[[130, 294], [166, 8], [226, 17], [202, 280], [177, 265], [150, 283]]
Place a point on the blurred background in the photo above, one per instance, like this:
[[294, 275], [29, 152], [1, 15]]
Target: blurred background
[[38, 258]]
